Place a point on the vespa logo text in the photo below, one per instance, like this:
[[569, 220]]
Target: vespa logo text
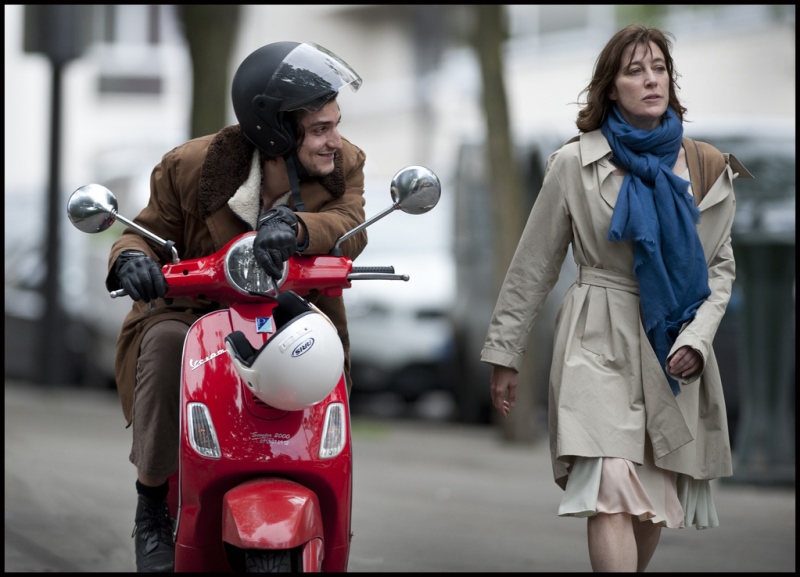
[[303, 347], [194, 364]]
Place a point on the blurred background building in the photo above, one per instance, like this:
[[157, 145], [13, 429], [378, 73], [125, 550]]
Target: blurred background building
[[127, 99]]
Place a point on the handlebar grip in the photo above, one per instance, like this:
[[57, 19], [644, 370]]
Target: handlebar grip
[[374, 269]]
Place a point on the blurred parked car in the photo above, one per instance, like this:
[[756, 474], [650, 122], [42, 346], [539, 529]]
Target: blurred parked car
[[766, 147], [474, 255], [401, 337], [92, 318]]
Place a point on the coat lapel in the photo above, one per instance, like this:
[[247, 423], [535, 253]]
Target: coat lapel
[[608, 185], [226, 166], [245, 202], [595, 148]]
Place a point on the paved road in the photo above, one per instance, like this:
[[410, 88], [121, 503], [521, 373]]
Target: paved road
[[428, 496]]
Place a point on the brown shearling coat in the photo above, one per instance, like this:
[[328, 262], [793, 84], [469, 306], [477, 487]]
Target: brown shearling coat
[[207, 191]]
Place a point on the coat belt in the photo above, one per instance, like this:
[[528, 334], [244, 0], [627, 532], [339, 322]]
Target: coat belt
[[608, 279]]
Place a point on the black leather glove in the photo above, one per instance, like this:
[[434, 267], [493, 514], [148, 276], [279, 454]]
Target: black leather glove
[[276, 240], [140, 276]]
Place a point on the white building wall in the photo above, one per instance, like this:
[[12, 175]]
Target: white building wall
[[93, 124], [733, 62], [27, 108], [105, 137], [744, 68]]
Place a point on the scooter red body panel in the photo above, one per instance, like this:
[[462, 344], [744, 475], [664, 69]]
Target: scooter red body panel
[[243, 497], [278, 512], [324, 273]]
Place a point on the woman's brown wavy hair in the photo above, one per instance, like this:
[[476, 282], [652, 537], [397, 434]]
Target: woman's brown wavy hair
[[598, 103]]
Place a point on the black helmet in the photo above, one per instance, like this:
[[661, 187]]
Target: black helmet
[[281, 77]]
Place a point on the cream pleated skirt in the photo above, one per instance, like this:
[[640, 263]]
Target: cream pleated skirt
[[612, 485]]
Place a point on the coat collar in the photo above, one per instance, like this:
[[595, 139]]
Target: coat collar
[[232, 164], [594, 146], [723, 187]]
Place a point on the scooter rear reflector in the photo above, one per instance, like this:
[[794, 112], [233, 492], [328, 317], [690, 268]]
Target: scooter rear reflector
[[201, 431], [333, 432]]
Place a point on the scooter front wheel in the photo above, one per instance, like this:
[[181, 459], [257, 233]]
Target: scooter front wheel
[[272, 561]]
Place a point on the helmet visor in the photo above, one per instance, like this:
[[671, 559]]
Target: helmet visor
[[309, 76]]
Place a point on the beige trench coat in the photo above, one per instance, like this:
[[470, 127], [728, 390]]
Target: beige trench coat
[[206, 192], [606, 386]]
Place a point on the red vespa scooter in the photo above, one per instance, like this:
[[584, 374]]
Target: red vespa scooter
[[261, 486]]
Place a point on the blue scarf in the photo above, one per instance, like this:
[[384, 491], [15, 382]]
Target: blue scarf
[[655, 210]]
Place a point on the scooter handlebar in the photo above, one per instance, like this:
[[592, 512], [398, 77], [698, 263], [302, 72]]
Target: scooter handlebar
[[357, 273], [375, 273], [373, 269]]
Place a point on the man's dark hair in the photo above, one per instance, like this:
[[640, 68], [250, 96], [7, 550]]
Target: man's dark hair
[[296, 118]]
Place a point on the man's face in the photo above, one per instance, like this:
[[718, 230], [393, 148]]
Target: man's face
[[321, 139]]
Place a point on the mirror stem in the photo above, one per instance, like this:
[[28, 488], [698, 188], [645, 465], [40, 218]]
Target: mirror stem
[[337, 251], [168, 246]]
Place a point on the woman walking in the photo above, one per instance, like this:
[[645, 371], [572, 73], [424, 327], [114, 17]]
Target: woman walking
[[636, 410]]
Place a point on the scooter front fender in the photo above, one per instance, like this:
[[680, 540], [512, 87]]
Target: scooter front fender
[[270, 514]]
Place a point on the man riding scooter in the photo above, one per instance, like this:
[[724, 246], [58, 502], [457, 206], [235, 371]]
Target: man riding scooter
[[283, 171]]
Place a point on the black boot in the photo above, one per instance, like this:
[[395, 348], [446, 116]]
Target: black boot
[[155, 548]]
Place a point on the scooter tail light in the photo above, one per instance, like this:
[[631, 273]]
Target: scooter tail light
[[202, 435], [334, 432]]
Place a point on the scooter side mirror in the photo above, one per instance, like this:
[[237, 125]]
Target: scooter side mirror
[[92, 208], [414, 190]]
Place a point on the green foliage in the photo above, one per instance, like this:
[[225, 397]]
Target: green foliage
[[653, 15], [210, 31], [646, 14]]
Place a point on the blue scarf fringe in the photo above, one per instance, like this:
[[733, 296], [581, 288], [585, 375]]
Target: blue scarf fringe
[[655, 211]]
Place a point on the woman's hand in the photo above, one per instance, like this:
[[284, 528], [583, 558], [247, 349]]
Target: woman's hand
[[504, 389], [686, 362]]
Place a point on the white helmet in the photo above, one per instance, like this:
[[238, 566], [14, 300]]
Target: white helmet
[[299, 365]]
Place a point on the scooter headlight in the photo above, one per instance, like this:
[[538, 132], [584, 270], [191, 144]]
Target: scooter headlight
[[334, 431], [243, 272], [201, 431]]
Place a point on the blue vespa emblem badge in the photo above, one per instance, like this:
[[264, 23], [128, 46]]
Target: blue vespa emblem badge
[[263, 324]]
